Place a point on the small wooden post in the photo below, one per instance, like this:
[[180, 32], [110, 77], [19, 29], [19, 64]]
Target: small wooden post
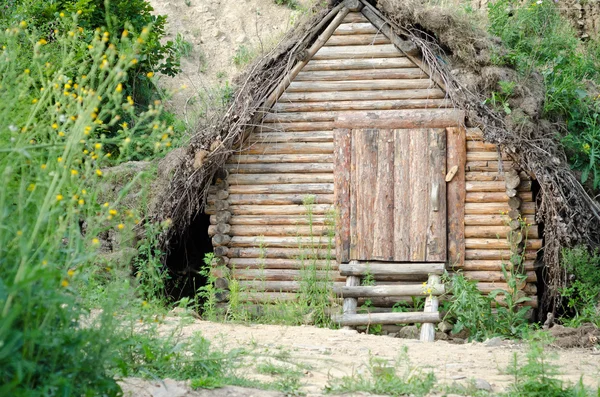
[[431, 306], [350, 304]]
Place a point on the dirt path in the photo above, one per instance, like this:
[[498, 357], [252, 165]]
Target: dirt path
[[327, 354]]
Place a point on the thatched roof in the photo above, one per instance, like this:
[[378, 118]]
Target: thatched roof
[[458, 54]]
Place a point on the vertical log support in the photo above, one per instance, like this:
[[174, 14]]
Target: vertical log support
[[456, 193], [431, 306], [515, 236], [350, 304], [220, 230]]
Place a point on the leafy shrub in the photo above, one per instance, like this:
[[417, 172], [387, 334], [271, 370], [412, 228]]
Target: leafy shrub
[[539, 38], [583, 294], [56, 106]]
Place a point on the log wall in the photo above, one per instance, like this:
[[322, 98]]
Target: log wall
[[259, 223]]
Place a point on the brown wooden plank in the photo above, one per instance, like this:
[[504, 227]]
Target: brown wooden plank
[[357, 39], [366, 171], [363, 105], [355, 28], [383, 187], [358, 51], [373, 74], [456, 156], [353, 199], [402, 209], [436, 219], [273, 220], [342, 164], [360, 85], [405, 118], [354, 64], [419, 191], [281, 159], [270, 168], [305, 188], [354, 17], [369, 95], [279, 178]]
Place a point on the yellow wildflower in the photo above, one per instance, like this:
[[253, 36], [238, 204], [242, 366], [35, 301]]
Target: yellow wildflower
[[74, 172], [99, 172], [113, 212], [95, 241], [71, 272], [150, 74], [64, 283], [59, 197], [119, 87], [121, 226]]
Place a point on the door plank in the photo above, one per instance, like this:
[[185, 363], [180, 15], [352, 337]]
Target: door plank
[[383, 213], [419, 193], [366, 164], [456, 194], [353, 197], [436, 229], [402, 203], [342, 164]]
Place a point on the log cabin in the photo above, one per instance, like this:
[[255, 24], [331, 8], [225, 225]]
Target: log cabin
[[397, 186]]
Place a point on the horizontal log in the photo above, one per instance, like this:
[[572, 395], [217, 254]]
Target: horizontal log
[[283, 253], [269, 168], [279, 178], [480, 146], [271, 230], [358, 64], [221, 228], [389, 290], [496, 208], [491, 276], [494, 186], [289, 147], [385, 318], [432, 118], [299, 126], [354, 17], [286, 137], [360, 85], [280, 159], [358, 51], [280, 242], [306, 188], [267, 297], [488, 176], [495, 197], [496, 231], [357, 39], [284, 275], [485, 287], [474, 134], [357, 96], [390, 269], [486, 220], [492, 244], [275, 286], [277, 199], [221, 239], [278, 220], [485, 156], [486, 166], [355, 29], [363, 105], [274, 263], [373, 74], [492, 265], [317, 209], [498, 254]]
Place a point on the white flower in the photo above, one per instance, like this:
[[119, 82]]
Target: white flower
[[539, 2], [62, 118], [12, 128]]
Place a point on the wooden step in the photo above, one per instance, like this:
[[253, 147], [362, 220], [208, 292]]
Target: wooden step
[[356, 268], [386, 318], [389, 290]]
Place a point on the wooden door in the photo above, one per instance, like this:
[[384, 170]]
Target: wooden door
[[391, 194]]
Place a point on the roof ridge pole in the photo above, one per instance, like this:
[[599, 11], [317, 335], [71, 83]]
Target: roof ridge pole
[[353, 5], [321, 40]]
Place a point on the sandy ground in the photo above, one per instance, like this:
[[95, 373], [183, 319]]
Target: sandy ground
[[327, 354], [217, 29]]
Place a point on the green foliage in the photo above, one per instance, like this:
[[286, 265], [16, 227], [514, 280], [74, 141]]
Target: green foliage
[[243, 55], [537, 377], [293, 4], [583, 293], [182, 47], [55, 106], [539, 38], [150, 272], [499, 100], [383, 379]]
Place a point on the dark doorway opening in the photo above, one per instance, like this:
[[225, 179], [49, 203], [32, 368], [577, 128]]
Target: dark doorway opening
[[185, 260]]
